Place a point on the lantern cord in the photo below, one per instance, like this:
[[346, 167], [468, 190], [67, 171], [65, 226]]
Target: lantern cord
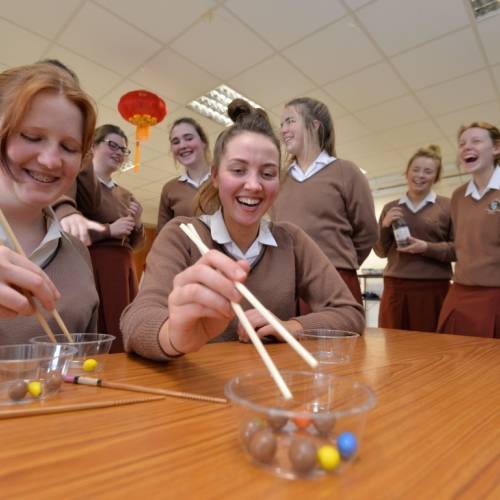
[[137, 156]]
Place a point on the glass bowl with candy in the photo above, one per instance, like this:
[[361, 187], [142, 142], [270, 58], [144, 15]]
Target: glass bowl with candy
[[90, 348], [317, 432], [30, 372]]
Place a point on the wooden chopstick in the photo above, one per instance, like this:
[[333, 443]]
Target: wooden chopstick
[[140, 388], [38, 313], [27, 412]]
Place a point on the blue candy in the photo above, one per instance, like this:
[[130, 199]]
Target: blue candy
[[347, 444]]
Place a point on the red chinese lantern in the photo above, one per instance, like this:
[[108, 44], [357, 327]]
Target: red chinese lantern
[[142, 109]]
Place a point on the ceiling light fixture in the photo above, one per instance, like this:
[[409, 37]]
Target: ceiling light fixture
[[483, 8], [213, 104]]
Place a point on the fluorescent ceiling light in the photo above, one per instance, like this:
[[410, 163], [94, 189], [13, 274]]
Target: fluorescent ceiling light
[[213, 104], [483, 8]]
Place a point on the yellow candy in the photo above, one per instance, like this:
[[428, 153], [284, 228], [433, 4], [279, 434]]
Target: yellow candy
[[328, 457], [35, 388], [89, 365]]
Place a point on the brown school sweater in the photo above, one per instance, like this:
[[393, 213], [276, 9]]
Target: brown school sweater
[[432, 224], [335, 208], [295, 268], [477, 238], [102, 204], [71, 271], [176, 199]]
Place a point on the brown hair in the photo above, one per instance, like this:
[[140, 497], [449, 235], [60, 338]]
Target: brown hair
[[432, 151], [103, 131], [246, 118], [19, 86], [313, 110], [199, 131], [492, 130]]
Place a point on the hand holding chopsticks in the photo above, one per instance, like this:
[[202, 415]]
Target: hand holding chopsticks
[[43, 323], [273, 321]]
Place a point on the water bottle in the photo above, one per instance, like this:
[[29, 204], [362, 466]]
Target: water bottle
[[401, 232]]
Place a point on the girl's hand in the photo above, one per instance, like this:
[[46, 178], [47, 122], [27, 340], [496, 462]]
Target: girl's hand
[[135, 210], [263, 328], [415, 246], [199, 304], [19, 273], [392, 214], [78, 226], [122, 227]]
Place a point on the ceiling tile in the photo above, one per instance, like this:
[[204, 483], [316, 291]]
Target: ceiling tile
[[322, 56], [271, 82], [336, 110], [459, 93], [380, 163], [162, 20], [369, 86], [443, 59], [370, 145], [414, 22], [261, 16], [356, 4], [222, 45], [95, 79], [349, 128], [102, 37], [39, 16], [489, 31], [29, 49], [450, 123], [413, 135], [391, 114], [496, 74], [162, 74], [209, 126]]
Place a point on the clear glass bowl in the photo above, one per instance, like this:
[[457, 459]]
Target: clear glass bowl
[[319, 431], [90, 348], [329, 346], [31, 372]]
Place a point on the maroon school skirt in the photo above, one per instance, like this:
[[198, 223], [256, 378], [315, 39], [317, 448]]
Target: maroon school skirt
[[116, 283], [411, 304], [471, 310]]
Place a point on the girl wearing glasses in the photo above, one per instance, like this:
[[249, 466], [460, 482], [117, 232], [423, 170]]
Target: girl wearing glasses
[[47, 123], [189, 146], [110, 217]]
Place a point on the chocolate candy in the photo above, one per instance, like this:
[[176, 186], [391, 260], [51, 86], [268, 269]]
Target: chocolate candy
[[263, 445], [347, 445], [18, 390], [89, 365], [251, 426], [328, 457], [324, 423], [53, 381], [35, 388], [302, 454], [301, 422], [276, 421]]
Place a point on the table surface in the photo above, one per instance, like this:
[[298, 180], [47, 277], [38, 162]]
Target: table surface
[[434, 433]]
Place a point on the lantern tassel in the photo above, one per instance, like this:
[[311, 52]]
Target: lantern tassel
[[137, 156]]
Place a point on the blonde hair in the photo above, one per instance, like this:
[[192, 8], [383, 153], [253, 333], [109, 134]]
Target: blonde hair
[[246, 118], [19, 86], [432, 151]]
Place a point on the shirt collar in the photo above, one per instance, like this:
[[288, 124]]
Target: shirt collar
[[48, 246], [220, 234], [494, 183], [109, 184], [185, 178], [318, 164], [430, 198]]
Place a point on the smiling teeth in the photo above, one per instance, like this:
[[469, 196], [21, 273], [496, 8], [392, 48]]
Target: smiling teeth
[[249, 201], [41, 178]]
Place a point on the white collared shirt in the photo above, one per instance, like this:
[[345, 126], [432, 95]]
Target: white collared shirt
[[109, 184], [220, 234], [186, 178], [430, 198], [47, 247], [318, 164], [494, 183]]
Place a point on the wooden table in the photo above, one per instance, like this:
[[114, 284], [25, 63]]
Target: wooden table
[[434, 433]]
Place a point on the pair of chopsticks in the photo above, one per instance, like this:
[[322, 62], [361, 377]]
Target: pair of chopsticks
[[190, 231], [96, 382], [36, 307]]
